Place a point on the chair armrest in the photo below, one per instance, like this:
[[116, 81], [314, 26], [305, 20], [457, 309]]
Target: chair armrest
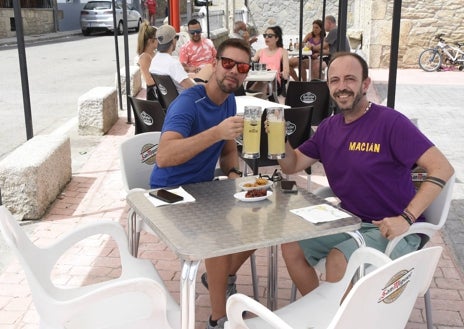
[[364, 256], [238, 303], [416, 228], [114, 229]]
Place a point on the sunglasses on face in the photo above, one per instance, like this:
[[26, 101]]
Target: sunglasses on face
[[268, 35], [229, 64], [192, 32]]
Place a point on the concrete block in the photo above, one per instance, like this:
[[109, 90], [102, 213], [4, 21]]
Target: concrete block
[[34, 174], [97, 111], [135, 81]]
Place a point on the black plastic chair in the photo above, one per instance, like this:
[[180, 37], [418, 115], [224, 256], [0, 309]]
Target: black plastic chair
[[313, 93], [165, 88], [298, 129], [148, 115]]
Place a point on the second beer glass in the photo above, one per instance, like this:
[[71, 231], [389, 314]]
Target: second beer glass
[[276, 133], [251, 132]]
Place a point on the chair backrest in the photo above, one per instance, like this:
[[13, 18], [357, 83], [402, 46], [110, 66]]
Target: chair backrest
[[138, 156], [314, 93], [148, 115], [385, 297], [298, 129], [166, 89]]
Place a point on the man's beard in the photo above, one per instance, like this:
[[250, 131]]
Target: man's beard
[[357, 99], [226, 89]]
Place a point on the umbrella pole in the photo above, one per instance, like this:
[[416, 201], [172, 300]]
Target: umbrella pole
[[396, 20]]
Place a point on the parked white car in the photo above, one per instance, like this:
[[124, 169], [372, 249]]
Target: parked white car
[[98, 16]]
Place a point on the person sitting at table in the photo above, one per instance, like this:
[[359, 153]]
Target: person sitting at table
[[274, 56], [368, 152], [241, 32], [146, 49], [312, 41], [199, 131], [198, 52], [165, 64]]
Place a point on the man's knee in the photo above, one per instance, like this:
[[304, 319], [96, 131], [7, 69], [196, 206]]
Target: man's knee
[[292, 251], [335, 265]]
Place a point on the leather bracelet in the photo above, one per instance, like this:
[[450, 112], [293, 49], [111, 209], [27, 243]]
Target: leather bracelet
[[410, 215], [235, 171], [406, 218]]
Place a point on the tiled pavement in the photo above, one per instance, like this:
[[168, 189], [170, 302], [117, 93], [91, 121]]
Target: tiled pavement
[[96, 192]]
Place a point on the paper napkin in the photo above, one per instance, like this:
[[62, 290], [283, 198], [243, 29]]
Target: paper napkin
[[320, 213]]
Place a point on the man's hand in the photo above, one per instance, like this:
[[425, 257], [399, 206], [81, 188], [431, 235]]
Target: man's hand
[[391, 227], [231, 128]]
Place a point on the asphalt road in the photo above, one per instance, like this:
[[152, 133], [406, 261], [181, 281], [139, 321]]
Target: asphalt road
[[59, 72]]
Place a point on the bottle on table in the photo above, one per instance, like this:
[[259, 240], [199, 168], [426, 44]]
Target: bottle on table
[[296, 45], [290, 46]]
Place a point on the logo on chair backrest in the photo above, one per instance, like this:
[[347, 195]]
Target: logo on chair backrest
[[148, 153], [146, 118], [290, 128], [162, 89], [308, 98], [395, 286]]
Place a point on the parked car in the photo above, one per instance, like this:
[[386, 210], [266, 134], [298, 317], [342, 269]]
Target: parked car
[[98, 16], [200, 3]]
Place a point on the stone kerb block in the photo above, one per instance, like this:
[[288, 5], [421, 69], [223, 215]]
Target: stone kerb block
[[135, 82], [33, 175], [97, 111]]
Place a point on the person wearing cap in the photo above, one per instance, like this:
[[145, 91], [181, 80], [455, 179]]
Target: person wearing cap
[[164, 63], [199, 131], [198, 51]]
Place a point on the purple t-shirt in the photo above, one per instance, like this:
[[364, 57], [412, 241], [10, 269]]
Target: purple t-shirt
[[368, 162]]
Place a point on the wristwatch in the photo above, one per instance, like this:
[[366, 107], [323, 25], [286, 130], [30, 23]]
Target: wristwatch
[[236, 171]]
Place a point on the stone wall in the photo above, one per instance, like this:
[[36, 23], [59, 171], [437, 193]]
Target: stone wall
[[420, 21], [35, 21]]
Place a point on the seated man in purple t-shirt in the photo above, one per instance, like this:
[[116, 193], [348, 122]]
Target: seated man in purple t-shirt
[[367, 152]]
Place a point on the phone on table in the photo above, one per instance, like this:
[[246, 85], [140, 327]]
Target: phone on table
[[288, 186], [166, 196]]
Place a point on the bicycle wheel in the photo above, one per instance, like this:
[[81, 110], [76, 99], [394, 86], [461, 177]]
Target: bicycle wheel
[[430, 60]]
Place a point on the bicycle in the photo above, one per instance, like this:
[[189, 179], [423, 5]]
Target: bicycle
[[432, 59]]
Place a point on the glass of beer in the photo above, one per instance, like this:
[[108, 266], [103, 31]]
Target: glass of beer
[[276, 132], [251, 132]]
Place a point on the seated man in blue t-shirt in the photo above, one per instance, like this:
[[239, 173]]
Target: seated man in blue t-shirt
[[199, 130]]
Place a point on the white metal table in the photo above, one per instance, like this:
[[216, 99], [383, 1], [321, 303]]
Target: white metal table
[[217, 224], [264, 76], [243, 101]]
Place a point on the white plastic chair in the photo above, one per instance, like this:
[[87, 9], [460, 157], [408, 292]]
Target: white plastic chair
[[383, 299], [137, 156], [435, 215], [137, 299]]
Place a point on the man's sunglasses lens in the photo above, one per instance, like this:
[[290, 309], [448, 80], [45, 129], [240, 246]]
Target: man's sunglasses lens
[[192, 32], [229, 64]]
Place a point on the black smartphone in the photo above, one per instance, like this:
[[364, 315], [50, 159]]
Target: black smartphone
[[288, 186], [166, 196]]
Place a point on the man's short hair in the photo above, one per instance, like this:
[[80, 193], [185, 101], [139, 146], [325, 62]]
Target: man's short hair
[[234, 43], [331, 19], [193, 21], [364, 66]]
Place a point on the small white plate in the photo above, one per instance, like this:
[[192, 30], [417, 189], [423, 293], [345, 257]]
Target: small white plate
[[258, 187], [241, 196]]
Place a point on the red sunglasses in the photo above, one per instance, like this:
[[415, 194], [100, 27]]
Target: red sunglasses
[[229, 64]]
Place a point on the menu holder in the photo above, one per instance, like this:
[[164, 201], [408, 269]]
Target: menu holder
[[320, 213]]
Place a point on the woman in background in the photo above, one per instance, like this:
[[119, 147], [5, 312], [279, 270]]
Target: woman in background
[[146, 50], [275, 56]]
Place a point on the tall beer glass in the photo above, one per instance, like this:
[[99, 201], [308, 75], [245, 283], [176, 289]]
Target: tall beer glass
[[251, 132], [276, 132]]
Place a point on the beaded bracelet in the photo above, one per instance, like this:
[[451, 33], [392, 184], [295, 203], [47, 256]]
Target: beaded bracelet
[[435, 180]]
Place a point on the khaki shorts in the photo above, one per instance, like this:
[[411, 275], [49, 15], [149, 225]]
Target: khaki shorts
[[317, 248]]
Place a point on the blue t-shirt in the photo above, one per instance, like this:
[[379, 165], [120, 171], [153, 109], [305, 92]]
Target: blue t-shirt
[[189, 114], [368, 162]]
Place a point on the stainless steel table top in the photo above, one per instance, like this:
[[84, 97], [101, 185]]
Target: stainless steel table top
[[218, 224]]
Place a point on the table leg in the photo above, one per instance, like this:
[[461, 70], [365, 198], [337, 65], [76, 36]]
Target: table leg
[[187, 293], [272, 278]]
